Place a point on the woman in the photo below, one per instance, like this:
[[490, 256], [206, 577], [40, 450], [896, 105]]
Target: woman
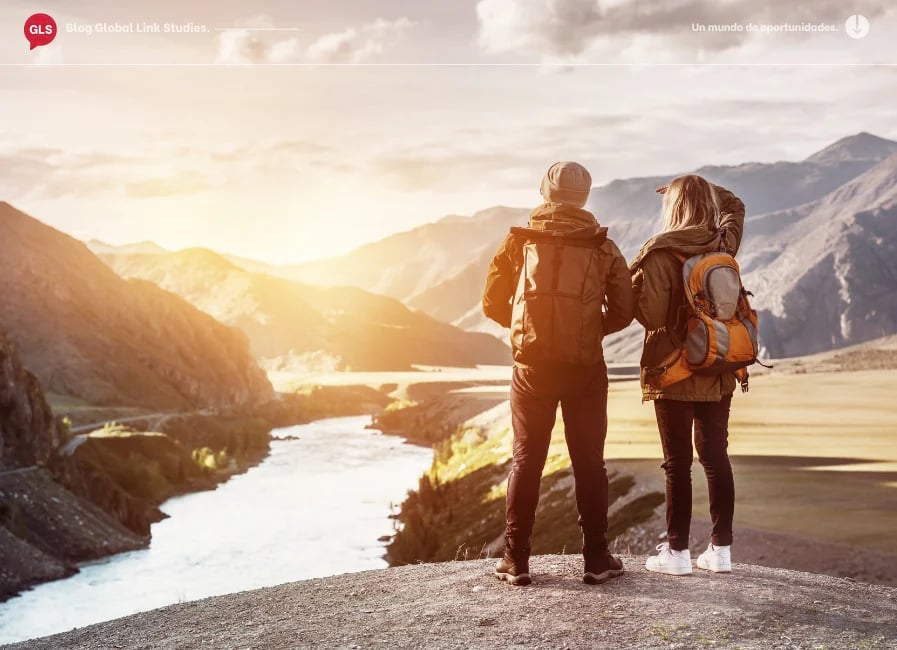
[[698, 217]]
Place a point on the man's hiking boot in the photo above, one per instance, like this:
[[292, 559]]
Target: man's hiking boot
[[716, 558], [601, 567], [514, 568], [673, 563]]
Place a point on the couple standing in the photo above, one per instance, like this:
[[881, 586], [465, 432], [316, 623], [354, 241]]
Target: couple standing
[[561, 285]]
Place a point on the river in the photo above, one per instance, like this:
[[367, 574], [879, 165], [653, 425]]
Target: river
[[314, 507]]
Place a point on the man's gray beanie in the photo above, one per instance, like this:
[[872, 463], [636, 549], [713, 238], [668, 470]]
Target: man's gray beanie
[[567, 182]]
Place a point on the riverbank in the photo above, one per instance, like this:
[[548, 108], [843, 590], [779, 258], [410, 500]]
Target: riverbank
[[47, 531], [461, 605], [458, 509], [99, 493], [317, 505]]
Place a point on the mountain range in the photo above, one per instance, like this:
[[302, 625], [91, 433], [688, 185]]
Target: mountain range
[[100, 247], [440, 267], [824, 274], [291, 324], [88, 333]]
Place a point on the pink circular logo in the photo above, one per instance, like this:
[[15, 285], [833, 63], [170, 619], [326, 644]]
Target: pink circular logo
[[40, 29]]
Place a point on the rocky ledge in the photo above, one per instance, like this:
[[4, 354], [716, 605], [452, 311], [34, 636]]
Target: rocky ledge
[[460, 605]]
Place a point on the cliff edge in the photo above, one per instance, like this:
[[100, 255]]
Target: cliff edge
[[460, 605]]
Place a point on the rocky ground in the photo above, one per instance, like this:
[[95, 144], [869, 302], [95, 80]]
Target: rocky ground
[[430, 412], [879, 354], [460, 605], [774, 549], [45, 530]]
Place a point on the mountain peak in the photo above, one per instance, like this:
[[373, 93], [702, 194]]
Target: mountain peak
[[146, 247], [862, 146], [203, 257], [130, 339]]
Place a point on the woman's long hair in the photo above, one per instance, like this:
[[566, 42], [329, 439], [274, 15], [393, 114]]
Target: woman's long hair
[[690, 202]]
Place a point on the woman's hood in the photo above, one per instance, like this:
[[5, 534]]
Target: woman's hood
[[687, 241]]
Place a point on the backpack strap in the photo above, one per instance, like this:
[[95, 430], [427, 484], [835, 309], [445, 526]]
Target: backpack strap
[[560, 237], [681, 310], [722, 243]]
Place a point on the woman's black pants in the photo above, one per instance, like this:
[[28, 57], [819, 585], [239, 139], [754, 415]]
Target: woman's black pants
[[710, 420]]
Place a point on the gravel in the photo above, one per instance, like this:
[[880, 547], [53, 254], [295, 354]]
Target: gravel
[[460, 605]]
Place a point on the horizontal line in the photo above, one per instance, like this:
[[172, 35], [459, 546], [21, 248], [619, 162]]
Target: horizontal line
[[451, 65], [257, 29]]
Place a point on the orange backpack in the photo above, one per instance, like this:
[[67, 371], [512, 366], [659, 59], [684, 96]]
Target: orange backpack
[[722, 328]]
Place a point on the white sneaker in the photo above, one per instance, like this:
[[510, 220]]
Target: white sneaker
[[674, 563], [716, 558]]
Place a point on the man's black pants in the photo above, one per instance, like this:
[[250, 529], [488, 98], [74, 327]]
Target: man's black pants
[[535, 394]]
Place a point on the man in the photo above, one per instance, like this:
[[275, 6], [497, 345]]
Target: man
[[561, 285]]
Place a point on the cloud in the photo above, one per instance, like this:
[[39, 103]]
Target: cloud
[[554, 26], [568, 29], [672, 137], [422, 171], [176, 184], [241, 46], [484, 160], [51, 54], [354, 45], [54, 173], [266, 150]]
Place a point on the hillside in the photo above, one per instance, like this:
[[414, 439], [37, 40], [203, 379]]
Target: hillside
[[452, 299], [291, 323], [460, 605], [28, 430], [68, 498], [88, 333], [406, 264], [44, 528], [777, 196], [458, 509], [824, 275], [99, 247]]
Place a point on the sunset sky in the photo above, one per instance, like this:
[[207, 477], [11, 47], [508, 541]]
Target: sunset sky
[[281, 141]]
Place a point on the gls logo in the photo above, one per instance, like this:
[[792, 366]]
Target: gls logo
[[40, 29]]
